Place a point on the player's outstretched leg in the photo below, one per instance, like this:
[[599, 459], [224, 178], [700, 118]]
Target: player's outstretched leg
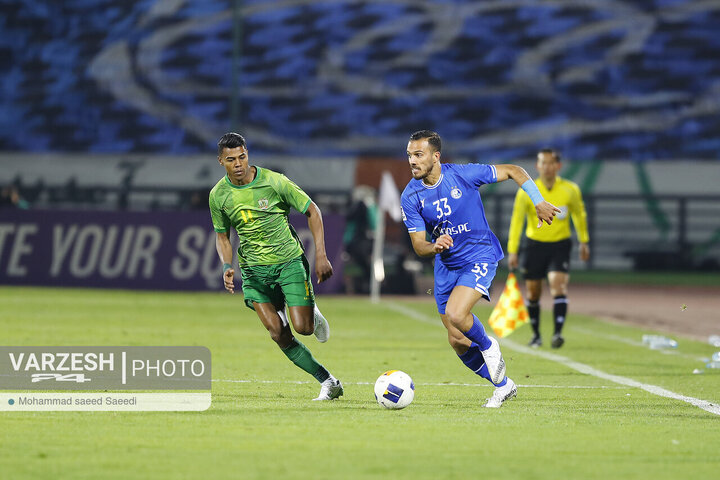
[[490, 350], [298, 353], [330, 389], [473, 359], [501, 394], [495, 362], [322, 328], [274, 318]]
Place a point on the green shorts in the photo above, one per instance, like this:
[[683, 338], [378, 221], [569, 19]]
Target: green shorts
[[285, 283]]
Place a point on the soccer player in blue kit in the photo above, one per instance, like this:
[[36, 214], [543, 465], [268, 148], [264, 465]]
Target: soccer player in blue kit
[[443, 200]]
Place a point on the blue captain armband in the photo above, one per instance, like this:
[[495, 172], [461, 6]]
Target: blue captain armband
[[533, 192]]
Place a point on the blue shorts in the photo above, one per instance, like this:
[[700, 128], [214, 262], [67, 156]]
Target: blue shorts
[[477, 276]]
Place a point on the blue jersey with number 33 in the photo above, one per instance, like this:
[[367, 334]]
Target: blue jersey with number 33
[[453, 206]]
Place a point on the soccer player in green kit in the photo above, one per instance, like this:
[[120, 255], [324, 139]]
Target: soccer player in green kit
[[274, 270]]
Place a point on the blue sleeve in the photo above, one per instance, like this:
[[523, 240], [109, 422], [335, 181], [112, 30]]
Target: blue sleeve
[[479, 174], [411, 213]]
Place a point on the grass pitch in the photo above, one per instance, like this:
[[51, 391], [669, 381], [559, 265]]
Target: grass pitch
[[262, 424]]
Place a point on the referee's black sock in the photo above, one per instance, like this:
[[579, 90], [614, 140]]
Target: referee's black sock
[[559, 312], [534, 313]]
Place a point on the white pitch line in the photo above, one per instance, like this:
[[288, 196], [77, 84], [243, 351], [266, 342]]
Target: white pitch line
[[307, 382], [580, 367]]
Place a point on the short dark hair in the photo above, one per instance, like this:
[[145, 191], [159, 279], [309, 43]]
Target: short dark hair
[[231, 140], [432, 137], [550, 151]]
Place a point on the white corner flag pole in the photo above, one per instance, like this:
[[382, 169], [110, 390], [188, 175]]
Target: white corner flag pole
[[388, 201]]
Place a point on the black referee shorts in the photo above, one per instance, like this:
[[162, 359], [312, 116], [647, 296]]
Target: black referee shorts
[[543, 257]]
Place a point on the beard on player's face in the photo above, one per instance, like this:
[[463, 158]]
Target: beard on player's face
[[421, 157], [422, 171], [427, 167], [421, 167]]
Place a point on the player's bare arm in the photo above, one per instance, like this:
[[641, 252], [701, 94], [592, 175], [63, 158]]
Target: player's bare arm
[[323, 268], [584, 252], [224, 250], [545, 211], [428, 249], [513, 261], [514, 172]]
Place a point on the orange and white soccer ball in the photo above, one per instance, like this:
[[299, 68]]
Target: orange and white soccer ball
[[394, 390]]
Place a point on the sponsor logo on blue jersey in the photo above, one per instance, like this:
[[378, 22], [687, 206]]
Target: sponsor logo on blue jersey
[[454, 229]]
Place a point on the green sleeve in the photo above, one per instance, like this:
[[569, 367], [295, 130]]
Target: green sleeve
[[292, 194], [221, 222]]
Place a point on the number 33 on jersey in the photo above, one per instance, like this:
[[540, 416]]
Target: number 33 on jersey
[[453, 207]]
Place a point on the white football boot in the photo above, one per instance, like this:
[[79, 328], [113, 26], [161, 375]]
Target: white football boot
[[494, 361], [330, 389], [506, 392], [322, 329]]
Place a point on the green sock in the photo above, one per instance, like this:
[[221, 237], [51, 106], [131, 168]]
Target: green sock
[[301, 356]]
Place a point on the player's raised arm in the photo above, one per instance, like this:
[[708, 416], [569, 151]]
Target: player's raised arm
[[545, 211], [323, 268]]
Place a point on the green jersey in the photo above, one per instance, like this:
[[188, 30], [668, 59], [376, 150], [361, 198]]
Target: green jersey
[[259, 212]]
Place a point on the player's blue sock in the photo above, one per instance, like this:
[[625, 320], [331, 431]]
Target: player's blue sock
[[474, 360], [477, 334]]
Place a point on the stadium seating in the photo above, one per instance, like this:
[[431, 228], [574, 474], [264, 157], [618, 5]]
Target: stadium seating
[[604, 80]]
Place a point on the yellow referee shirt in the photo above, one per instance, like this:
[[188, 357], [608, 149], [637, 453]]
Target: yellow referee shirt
[[567, 197]]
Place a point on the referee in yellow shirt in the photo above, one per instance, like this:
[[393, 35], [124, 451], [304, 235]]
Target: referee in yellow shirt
[[547, 251]]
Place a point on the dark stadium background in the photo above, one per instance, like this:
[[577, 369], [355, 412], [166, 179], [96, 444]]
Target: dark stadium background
[[110, 112]]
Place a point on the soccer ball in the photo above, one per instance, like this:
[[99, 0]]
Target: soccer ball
[[394, 389]]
